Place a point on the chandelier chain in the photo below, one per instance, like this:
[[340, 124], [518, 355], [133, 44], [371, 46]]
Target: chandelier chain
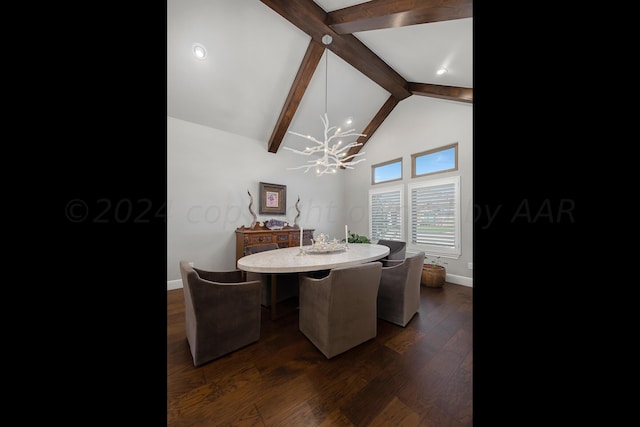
[[334, 156], [326, 78]]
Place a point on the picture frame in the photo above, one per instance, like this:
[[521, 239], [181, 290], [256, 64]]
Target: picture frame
[[273, 199]]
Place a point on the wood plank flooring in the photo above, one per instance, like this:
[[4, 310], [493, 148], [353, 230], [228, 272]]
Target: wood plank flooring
[[420, 375]]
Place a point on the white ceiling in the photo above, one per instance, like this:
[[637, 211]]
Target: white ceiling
[[253, 55]]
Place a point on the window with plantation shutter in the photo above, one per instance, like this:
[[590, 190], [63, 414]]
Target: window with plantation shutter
[[386, 213], [434, 216]]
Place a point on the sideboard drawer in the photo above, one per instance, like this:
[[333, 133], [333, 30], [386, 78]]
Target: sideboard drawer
[[258, 239], [283, 240]]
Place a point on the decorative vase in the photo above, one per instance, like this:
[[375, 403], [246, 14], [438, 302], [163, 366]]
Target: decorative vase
[[433, 275]]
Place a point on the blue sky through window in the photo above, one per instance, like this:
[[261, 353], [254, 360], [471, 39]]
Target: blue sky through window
[[388, 172], [434, 162]]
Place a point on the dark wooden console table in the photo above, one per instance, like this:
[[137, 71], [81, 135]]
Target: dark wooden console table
[[287, 237]]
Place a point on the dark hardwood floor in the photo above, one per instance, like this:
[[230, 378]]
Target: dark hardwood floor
[[420, 375]]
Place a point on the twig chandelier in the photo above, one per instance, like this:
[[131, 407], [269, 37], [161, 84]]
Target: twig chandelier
[[333, 154]]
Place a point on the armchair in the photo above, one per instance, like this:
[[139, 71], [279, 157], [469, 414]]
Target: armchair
[[397, 249], [222, 312], [338, 312], [399, 293]]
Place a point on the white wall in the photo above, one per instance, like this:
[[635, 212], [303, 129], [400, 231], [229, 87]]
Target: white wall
[[209, 172], [418, 124]]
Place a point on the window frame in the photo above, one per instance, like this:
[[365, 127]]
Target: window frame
[[415, 156], [388, 162]]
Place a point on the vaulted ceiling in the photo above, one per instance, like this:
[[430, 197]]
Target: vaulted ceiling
[[267, 70]]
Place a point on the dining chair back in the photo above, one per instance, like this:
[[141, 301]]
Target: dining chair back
[[397, 249], [399, 293], [254, 249], [338, 312], [222, 312], [286, 283]]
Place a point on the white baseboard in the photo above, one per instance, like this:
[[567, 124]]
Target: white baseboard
[[454, 278], [174, 284], [459, 280], [451, 278]]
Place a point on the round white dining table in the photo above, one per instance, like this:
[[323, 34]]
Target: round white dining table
[[289, 260], [304, 259]]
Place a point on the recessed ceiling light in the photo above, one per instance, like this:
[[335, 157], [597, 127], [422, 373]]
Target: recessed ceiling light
[[441, 71], [199, 51]]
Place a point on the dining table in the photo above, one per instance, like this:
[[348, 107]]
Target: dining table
[[304, 259]]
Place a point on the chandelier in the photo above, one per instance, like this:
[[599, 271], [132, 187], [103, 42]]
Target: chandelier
[[332, 154]]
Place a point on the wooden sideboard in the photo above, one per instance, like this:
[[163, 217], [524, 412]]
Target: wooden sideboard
[[259, 235]]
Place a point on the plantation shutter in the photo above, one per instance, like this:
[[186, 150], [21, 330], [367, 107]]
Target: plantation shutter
[[434, 216], [385, 207]]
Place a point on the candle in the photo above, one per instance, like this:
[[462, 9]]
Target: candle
[[346, 234], [300, 236]]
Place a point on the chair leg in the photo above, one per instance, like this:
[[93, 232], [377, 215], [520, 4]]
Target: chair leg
[[274, 299]]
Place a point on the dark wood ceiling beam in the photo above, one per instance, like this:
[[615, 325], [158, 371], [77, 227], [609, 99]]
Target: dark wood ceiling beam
[[453, 93], [298, 88], [379, 14], [355, 53], [310, 18], [373, 125]]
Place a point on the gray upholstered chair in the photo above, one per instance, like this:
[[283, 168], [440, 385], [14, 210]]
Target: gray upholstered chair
[[253, 249], [222, 312], [287, 283], [338, 312], [399, 292], [397, 249]]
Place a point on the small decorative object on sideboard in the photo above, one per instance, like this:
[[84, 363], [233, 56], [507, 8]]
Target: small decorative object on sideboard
[[275, 224], [253, 214], [295, 221], [433, 272]]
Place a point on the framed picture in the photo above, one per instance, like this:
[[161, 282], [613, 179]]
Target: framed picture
[[273, 199]]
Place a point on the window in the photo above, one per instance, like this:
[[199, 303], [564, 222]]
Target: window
[[387, 171], [443, 159], [434, 216], [385, 214]]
